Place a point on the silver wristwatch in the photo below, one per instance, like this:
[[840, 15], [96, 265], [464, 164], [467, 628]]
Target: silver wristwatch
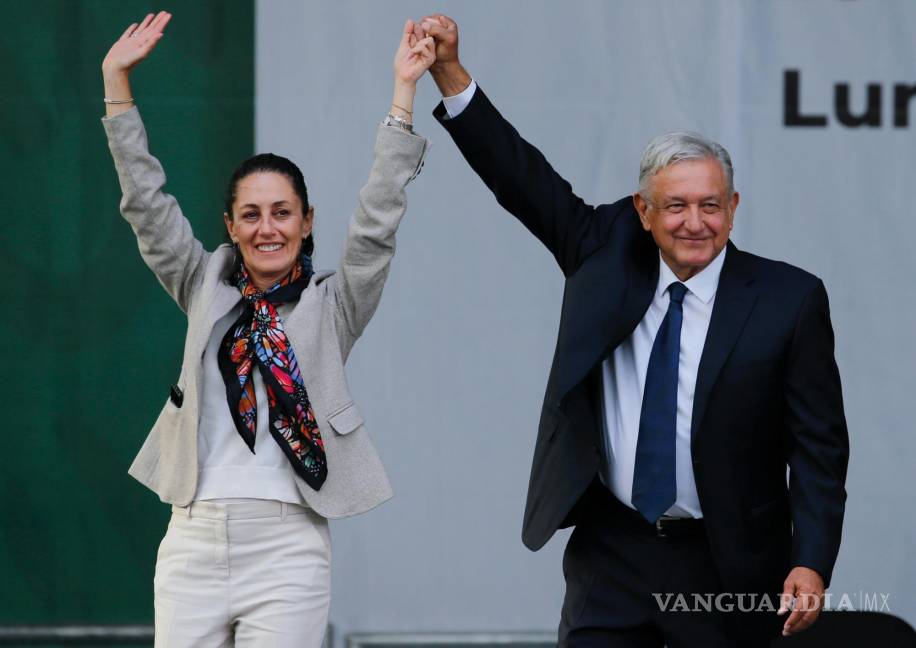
[[400, 122]]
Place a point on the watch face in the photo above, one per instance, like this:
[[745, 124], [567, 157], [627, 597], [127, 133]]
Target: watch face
[[391, 120]]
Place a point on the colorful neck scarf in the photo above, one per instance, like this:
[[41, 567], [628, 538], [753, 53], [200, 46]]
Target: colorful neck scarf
[[257, 337]]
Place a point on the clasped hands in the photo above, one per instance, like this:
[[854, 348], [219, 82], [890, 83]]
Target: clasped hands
[[444, 33]]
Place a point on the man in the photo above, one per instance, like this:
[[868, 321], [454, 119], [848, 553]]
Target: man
[[688, 375]]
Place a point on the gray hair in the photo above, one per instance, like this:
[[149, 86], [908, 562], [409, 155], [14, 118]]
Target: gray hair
[[672, 148]]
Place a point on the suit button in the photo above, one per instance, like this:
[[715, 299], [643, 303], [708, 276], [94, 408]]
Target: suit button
[[696, 462]]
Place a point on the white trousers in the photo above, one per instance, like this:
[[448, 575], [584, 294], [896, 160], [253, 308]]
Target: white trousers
[[247, 573]]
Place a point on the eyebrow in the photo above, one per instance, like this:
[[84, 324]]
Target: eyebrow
[[679, 199], [276, 204]]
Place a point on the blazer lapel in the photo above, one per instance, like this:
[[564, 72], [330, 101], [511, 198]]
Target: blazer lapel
[[303, 324], [735, 298], [224, 299]]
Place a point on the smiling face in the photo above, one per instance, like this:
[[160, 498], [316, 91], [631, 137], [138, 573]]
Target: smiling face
[[268, 224], [689, 212]]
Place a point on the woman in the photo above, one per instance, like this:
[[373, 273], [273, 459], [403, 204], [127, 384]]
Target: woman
[[246, 558]]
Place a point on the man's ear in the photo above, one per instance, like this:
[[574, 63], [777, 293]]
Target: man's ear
[[736, 198], [642, 208]]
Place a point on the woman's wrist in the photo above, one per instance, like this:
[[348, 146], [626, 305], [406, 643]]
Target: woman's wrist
[[114, 75], [402, 101], [117, 88]]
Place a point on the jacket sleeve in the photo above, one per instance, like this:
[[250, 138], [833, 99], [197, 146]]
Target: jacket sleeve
[[818, 444], [522, 180], [164, 235], [370, 241]]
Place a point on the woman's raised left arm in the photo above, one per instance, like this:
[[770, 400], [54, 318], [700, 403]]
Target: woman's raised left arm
[[399, 155]]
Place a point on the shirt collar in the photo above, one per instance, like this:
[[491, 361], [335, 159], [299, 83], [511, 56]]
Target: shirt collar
[[703, 284]]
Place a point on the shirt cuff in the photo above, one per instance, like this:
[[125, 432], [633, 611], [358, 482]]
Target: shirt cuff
[[455, 104]]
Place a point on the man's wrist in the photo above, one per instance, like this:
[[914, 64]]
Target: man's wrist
[[451, 78]]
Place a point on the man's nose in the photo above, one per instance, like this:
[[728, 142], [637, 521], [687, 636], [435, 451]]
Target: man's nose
[[693, 219]]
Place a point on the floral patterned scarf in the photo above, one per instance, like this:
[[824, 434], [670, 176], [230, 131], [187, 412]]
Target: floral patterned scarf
[[257, 337]]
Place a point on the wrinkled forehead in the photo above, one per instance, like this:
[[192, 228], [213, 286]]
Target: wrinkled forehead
[[692, 180]]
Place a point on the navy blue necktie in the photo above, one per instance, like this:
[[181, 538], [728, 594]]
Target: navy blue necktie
[[655, 473]]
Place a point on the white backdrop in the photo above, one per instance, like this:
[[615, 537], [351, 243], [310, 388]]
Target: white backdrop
[[451, 372]]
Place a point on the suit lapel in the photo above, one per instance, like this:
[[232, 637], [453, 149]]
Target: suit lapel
[[735, 298], [604, 301]]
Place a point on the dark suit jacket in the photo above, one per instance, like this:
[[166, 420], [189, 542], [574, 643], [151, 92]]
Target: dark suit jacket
[[768, 390]]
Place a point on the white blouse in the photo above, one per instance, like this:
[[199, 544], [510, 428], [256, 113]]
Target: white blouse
[[226, 467]]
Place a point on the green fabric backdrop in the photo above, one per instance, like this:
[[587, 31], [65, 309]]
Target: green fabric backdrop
[[92, 341]]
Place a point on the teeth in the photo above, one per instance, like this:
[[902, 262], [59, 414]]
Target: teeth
[[270, 247]]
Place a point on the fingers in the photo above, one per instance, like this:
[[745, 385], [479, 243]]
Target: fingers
[[807, 619], [408, 31], [444, 21], [433, 28], [418, 31], [801, 619], [162, 20], [427, 44], [159, 23], [150, 43], [149, 27], [785, 604], [423, 52], [429, 21], [785, 599], [146, 21], [128, 31], [807, 609], [792, 621], [423, 43], [418, 59]]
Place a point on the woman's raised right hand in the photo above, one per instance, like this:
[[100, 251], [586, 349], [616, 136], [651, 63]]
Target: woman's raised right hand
[[135, 44]]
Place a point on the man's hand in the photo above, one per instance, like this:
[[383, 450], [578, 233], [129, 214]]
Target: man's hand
[[447, 71], [445, 31], [807, 588]]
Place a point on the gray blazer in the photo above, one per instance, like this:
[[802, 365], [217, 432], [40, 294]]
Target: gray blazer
[[329, 317]]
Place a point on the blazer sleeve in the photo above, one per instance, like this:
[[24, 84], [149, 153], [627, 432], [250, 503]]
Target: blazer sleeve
[[370, 242], [164, 235], [818, 444], [522, 180]]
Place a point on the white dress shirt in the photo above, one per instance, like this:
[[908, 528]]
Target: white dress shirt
[[456, 103], [623, 376], [624, 373]]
